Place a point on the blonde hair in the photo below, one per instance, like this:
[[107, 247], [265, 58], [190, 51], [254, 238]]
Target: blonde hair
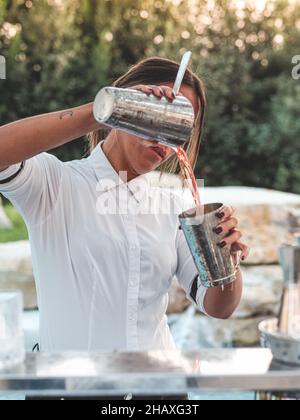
[[157, 71]]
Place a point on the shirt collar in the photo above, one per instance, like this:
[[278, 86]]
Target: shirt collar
[[109, 179]]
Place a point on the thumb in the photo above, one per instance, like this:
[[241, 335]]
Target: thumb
[[239, 246]]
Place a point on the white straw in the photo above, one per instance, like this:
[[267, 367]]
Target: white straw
[[181, 72]]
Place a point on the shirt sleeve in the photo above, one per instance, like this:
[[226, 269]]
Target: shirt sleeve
[[35, 188], [187, 274]]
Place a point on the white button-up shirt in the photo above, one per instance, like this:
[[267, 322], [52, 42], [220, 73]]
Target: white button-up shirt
[[103, 262]]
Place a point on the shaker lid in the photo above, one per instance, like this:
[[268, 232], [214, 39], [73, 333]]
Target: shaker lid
[[103, 105]]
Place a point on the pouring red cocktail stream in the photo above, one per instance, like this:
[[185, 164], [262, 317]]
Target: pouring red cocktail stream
[[184, 163], [188, 174]]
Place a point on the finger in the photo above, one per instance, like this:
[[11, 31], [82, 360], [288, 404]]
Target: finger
[[157, 91], [168, 93], [143, 88], [231, 239], [226, 226], [225, 212], [239, 246]]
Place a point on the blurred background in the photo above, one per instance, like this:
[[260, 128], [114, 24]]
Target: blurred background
[[59, 53]]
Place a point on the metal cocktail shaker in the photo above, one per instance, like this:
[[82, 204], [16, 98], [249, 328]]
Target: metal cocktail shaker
[[216, 266], [146, 116]]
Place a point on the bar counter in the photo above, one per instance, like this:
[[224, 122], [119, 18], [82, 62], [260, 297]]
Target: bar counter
[[151, 373]]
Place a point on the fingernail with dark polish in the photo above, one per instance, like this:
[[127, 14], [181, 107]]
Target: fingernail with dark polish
[[222, 244], [218, 230], [220, 215]]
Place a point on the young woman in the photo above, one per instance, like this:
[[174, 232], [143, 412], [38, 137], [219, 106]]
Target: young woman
[[103, 277]]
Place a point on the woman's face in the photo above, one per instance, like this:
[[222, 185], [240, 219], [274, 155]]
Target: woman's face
[[143, 156]]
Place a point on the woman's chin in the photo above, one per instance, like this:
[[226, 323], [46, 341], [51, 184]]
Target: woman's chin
[[146, 168]]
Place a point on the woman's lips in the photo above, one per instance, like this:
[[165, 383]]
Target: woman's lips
[[159, 151]]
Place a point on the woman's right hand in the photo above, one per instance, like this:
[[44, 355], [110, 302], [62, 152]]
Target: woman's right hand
[[158, 91]]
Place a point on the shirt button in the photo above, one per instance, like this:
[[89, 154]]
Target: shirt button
[[133, 247]]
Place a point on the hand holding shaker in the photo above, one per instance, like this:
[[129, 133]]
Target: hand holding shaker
[[216, 266], [146, 116]]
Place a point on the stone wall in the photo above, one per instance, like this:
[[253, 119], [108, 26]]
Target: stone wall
[[5, 223]]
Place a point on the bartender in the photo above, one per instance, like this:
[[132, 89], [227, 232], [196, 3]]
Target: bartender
[[103, 277]]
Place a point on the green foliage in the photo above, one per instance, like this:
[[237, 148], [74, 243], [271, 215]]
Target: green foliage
[[60, 53], [19, 230]]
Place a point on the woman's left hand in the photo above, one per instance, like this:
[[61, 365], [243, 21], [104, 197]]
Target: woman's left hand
[[228, 225]]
